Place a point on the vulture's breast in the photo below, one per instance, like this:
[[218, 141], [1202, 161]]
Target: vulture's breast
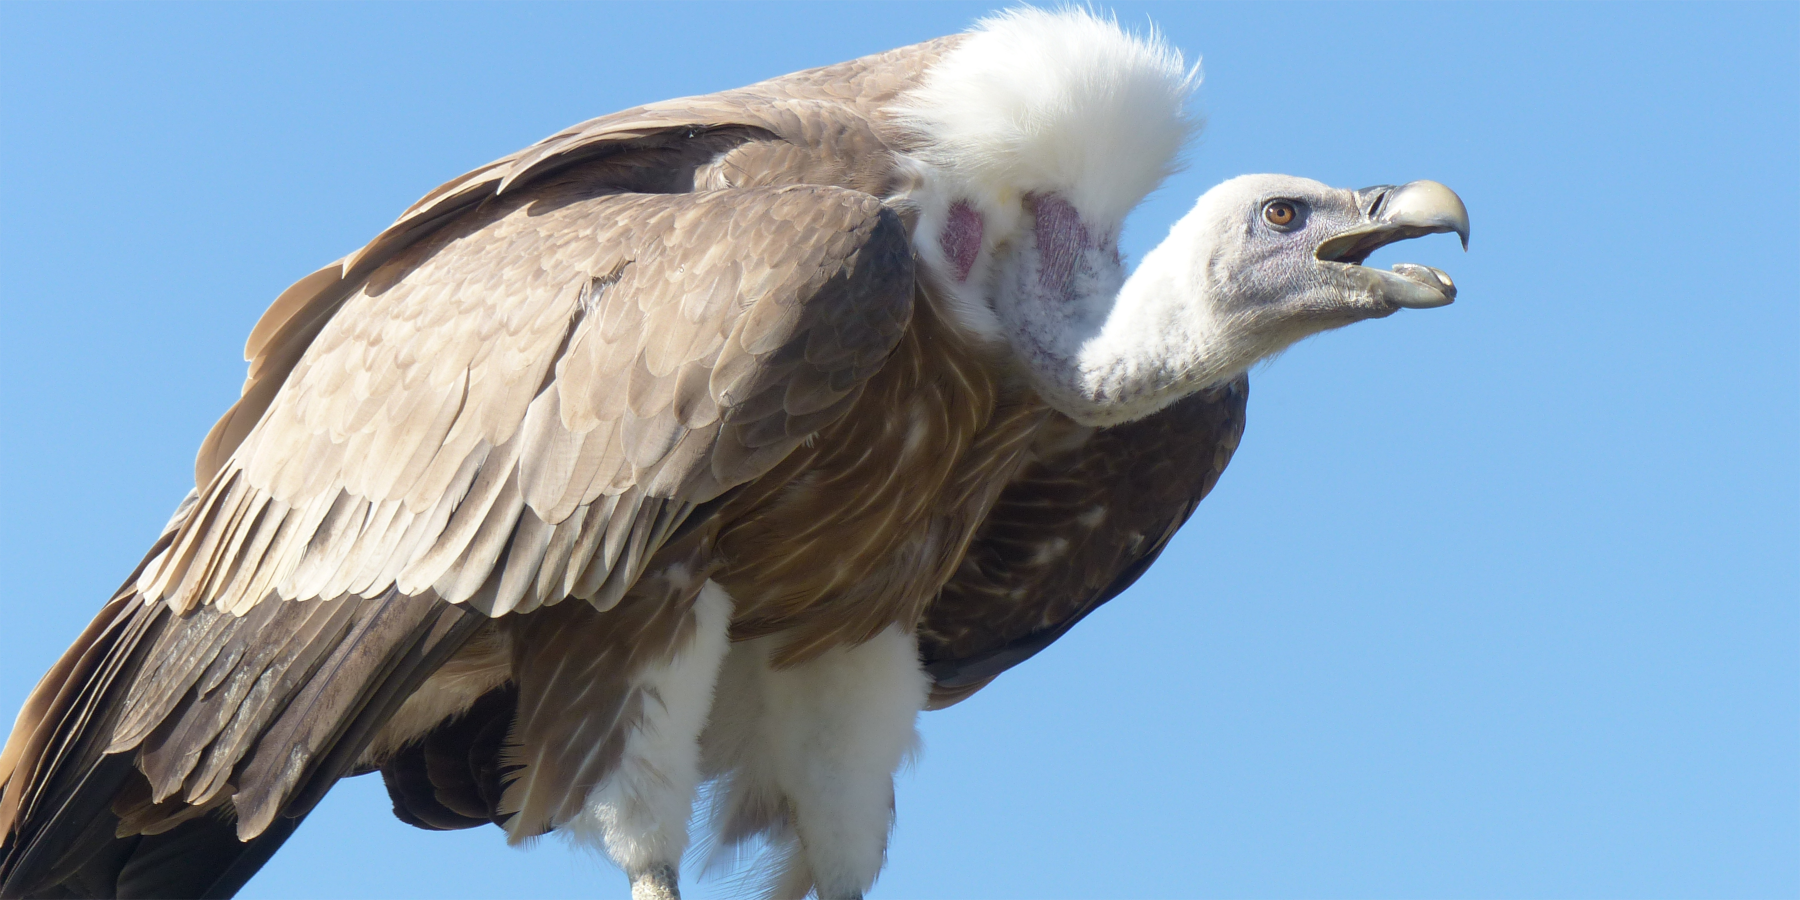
[[858, 530]]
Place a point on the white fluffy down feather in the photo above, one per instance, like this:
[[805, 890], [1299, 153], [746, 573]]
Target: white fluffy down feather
[[1037, 102], [1061, 101]]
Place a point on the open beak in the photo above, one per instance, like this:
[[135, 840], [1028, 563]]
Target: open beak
[[1395, 214]]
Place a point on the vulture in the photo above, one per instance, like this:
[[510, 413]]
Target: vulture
[[704, 444]]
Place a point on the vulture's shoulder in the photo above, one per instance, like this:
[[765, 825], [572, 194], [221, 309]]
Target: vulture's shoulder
[[1087, 514]]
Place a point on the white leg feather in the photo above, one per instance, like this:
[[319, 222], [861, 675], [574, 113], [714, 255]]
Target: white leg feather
[[810, 752], [639, 814]]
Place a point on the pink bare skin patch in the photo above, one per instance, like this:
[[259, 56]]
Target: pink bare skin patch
[[961, 239], [1061, 240]]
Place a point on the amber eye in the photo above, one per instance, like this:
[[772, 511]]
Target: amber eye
[[1279, 213]]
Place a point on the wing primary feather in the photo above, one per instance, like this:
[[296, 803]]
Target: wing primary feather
[[323, 730], [181, 653], [289, 662], [442, 632]]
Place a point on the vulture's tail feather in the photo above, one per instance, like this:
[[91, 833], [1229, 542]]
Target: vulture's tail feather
[[453, 776]]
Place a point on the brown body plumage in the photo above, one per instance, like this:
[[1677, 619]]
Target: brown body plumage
[[680, 343]]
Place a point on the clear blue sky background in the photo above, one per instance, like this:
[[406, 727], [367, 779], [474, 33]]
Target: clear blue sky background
[[1500, 600]]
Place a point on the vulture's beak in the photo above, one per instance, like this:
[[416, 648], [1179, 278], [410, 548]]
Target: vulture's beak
[[1394, 214]]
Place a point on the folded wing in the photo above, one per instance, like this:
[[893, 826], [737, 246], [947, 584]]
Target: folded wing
[[1075, 527], [521, 406]]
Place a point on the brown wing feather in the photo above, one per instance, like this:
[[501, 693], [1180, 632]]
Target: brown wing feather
[[809, 127], [489, 389], [516, 393], [1075, 527], [215, 688], [261, 697], [268, 703]]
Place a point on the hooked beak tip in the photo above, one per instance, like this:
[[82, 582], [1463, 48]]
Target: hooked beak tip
[[1429, 205]]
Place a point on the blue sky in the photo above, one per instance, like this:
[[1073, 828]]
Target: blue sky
[[1498, 600]]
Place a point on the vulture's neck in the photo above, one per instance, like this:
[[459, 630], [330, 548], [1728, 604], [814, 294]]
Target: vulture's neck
[[1108, 356]]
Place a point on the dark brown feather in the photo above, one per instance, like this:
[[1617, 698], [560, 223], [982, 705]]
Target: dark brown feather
[[857, 531], [297, 732], [1076, 526]]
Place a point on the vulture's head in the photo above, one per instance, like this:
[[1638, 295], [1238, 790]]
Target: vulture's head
[[1040, 131], [1270, 259]]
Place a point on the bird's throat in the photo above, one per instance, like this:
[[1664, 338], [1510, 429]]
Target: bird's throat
[[1104, 349]]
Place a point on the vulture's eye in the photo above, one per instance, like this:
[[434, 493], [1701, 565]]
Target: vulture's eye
[[1280, 213]]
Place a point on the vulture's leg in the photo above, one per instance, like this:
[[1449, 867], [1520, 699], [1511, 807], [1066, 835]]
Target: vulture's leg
[[639, 812], [809, 751], [656, 883]]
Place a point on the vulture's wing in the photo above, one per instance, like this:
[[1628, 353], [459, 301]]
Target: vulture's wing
[[1078, 524], [519, 405], [523, 406], [810, 127]]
